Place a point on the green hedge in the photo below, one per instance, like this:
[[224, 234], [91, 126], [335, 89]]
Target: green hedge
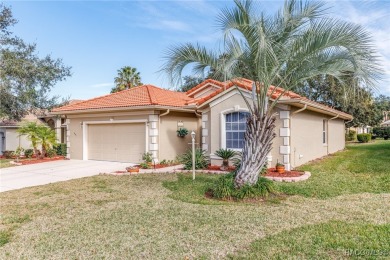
[[60, 149], [382, 132], [364, 138], [350, 135]]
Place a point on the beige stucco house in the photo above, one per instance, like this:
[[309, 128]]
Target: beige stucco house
[[123, 125]]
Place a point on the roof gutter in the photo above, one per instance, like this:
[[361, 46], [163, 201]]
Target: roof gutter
[[313, 106], [92, 111]]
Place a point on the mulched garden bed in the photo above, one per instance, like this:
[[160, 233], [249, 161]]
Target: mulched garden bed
[[218, 168], [271, 172], [34, 161]]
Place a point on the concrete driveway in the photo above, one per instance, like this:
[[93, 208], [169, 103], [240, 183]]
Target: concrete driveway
[[18, 177]]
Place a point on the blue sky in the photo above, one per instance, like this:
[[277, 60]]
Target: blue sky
[[97, 38]]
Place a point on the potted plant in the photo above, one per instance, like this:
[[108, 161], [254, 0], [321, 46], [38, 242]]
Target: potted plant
[[225, 154], [132, 169], [182, 132], [280, 167]]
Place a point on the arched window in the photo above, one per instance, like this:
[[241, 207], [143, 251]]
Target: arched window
[[235, 129]]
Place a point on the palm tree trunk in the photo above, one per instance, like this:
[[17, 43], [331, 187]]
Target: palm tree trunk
[[258, 143]]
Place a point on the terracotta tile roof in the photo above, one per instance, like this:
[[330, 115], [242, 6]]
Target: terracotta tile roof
[[8, 123], [148, 95], [139, 96], [244, 84]]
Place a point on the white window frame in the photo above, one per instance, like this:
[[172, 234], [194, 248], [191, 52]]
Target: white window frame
[[223, 125], [325, 132]]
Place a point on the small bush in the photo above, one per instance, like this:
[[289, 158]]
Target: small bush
[[224, 188], [350, 136], [144, 165], [147, 157], [8, 154], [28, 153], [201, 159], [60, 149], [364, 138], [50, 153]]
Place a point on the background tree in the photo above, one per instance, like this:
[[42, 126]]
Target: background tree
[[342, 95], [128, 77], [381, 105], [298, 43], [189, 82], [25, 78]]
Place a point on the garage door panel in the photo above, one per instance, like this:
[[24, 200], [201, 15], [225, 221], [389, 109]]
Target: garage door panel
[[116, 142]]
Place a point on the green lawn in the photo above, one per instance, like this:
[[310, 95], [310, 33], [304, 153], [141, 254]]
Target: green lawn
[[343, 208], [4, 163]]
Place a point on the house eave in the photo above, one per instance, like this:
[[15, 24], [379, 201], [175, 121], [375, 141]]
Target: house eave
[[315, 108], [189, 109]]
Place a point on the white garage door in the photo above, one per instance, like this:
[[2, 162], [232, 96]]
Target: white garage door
[[116, 142]]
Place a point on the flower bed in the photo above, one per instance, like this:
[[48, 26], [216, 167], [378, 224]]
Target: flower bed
[[287, 176], [218, 168], [34, 161]]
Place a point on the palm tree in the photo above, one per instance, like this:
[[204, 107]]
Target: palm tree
[[30, 130], [128, 77], [298, 43], [47, 138], [38, 135]]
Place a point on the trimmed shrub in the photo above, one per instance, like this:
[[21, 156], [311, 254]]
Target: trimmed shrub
[[147, 157], [350, 135], [60, 149], [8, 154], [28, 153], [381, 132], [364, 138], [224, 188], [50, 152], [201, 159]]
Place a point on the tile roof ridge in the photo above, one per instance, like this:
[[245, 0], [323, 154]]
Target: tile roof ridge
[[99, 97], [151, 93]]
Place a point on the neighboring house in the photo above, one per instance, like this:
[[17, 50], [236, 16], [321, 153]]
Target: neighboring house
[[10, 139], [386, 118], [123, 125]]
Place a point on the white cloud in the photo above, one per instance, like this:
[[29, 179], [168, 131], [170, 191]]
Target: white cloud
[[101, 85]]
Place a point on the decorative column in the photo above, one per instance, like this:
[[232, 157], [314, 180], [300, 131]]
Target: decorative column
[[57, 126], [205, 132], [285, 149], [153, 135], [67, 122]]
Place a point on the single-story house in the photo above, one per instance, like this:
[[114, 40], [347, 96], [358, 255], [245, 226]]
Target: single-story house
[[10, 139], [124, 125]]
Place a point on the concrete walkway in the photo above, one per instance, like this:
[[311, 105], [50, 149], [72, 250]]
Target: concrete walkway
[[18, 177]]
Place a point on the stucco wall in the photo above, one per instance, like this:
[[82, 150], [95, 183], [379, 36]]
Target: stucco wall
[[13, 140], [214, 127], [76, 129], [336, 135], [170, 144], [306, 136]]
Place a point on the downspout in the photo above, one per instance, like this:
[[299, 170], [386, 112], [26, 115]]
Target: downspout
[[327, 132], [164, 114], [295, 112], [198, 115]]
